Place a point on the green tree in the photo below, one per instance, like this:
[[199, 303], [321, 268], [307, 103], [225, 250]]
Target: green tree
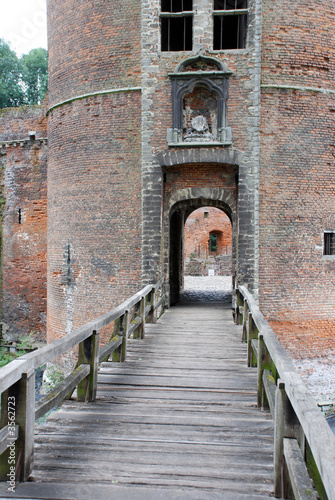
[[34, 66], [11, 92]]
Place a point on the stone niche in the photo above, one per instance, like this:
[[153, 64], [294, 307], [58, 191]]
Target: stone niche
[[199, 98]]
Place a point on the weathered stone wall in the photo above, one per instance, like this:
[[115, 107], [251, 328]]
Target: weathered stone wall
[[23, 161], [94, 169]]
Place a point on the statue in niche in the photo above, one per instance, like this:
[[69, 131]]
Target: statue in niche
[[199, 131]]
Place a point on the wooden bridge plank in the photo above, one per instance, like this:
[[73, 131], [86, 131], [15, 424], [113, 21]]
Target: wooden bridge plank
[[73, 491], [178, 419]]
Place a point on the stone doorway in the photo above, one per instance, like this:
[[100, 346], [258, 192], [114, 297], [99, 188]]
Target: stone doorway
[[179, 214]]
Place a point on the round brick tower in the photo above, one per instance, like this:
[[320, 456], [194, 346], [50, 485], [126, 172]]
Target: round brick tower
[[94, 169], [297, 164]]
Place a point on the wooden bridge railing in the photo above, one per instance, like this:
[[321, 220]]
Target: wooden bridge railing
[[304, 443], [17, 379]]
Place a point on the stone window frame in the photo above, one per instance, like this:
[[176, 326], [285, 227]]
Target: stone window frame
[[171, 15], [184, 82], [329, 244], [223, 14]]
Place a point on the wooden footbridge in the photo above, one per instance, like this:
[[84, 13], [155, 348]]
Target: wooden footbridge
[[170, 409]]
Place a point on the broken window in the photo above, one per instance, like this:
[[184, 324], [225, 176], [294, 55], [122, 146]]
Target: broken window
[[176, 25], [329, 243], [230, 24]]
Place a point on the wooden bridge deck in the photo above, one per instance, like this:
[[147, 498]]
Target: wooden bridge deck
[[177, 420]]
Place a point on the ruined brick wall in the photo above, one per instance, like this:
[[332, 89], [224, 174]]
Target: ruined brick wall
[[94, 170], [198, 227], [297, 168], [24, 222]]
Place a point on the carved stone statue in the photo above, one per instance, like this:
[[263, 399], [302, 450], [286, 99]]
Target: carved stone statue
[[199, 131]]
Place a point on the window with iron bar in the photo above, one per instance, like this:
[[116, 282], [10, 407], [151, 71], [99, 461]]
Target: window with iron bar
[[329, 243], [176, 25], [230, 24]]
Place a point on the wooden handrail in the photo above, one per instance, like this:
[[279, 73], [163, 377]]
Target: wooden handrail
[[17, 379], [298, 409]]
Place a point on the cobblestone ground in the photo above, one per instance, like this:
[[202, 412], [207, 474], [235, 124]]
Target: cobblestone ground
[[207, 289]]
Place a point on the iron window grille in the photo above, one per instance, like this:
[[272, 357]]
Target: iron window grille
[[176, 25], [230, 24], [329, 243]]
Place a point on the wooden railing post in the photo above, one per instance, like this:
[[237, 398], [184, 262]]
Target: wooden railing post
[[239, 303], [26, 423], [140, 330], [286, 426], [18, 406], [244, 321], [89, 354], [278, 440], [260, 369], [121, 330], [152, 301], [142, 315], [252, 333]]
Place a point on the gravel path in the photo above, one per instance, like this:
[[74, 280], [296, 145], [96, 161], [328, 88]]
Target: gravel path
[[207, 289]]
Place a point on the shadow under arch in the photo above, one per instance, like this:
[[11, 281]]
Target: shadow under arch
[[189, 201]]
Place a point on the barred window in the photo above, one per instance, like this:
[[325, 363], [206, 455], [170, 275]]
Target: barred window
[[230, 24], [329, 243], [176, 25]]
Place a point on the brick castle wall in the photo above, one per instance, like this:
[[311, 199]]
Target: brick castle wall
[[94, 170], [297, 161], [24, 222], [297, 172], [198, 227]]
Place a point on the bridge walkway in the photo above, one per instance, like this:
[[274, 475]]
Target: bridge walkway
[[177, 420]]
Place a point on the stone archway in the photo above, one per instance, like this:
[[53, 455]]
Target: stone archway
[[177, 208]]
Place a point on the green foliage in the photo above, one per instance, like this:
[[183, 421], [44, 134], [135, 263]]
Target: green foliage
[[6, 356], [11, 93], [35, 75], [24, 344], [23, 81]]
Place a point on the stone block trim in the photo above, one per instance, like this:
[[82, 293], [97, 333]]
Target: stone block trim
[[227, 156]]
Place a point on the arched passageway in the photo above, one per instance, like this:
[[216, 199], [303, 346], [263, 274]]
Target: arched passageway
[[208, 243], [210, 254]]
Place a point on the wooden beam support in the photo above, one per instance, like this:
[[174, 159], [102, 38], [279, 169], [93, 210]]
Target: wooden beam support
[[25, 418], [107, 349], [301, 483], [244, 321], [269, 385], [139, 331], [278, 439], [142, 315], [260, 368], [121, 330], [89, 354], [150, 308], [252, 334], [59, 393]]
